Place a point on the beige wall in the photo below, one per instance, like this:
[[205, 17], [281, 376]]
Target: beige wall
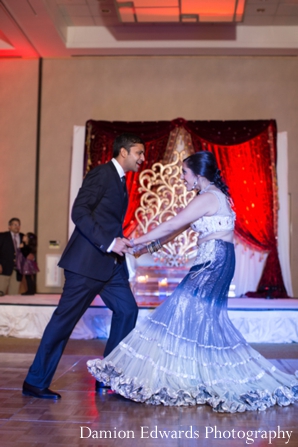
[[18, 118], [147, 88]]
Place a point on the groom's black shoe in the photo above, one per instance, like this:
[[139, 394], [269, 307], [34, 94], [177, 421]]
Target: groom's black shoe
[[41, 393], [101, 386]]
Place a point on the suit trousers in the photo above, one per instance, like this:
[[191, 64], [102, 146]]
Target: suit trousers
[[9, 285], [78, 293]]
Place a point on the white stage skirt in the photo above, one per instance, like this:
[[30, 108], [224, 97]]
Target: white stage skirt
[[259, 320]]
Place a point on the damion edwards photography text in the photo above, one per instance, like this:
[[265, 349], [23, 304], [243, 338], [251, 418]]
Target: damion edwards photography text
[[209, 432]]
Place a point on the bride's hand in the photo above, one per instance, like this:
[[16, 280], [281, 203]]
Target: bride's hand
[[130, 251], [138, 250]]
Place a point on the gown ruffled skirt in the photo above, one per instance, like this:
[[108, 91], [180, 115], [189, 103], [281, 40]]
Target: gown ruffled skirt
[[187, 352]]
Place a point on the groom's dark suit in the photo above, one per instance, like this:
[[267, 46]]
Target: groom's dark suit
[[98, 214]]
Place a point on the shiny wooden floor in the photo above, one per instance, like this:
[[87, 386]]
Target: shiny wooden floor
[[84, 418]]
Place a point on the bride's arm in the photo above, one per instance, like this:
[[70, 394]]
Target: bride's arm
[[198, 207], [140, 249]]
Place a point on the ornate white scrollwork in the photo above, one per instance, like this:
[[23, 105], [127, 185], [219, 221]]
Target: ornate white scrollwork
[[163, 195]]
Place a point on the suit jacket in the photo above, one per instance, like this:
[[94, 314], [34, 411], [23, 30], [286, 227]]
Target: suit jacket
[[98, 213], [7, 252]]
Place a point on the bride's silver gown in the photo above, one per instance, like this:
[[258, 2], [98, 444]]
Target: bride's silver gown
[[187, 352]]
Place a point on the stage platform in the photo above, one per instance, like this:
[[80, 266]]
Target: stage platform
[[259, 320]]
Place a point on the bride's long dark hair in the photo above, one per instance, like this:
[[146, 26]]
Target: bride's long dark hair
[[203, 163]]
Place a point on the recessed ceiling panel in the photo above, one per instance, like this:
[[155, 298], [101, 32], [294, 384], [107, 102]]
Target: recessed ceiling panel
[[182, 10]]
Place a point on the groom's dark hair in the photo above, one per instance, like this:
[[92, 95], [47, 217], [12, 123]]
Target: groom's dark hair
[[126, 140]]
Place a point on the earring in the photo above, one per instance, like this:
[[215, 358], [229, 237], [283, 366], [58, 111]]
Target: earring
[[194, 185]]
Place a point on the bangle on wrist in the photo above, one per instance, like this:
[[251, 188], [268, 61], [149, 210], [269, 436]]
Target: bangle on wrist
[[154, 246]]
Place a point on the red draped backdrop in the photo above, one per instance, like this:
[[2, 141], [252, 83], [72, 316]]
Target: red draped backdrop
[[246, 154]]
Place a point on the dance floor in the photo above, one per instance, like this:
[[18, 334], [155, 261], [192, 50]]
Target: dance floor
[[259, 320], [116, 422], [83, 418]]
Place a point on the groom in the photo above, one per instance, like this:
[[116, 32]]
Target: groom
[[94, 263]]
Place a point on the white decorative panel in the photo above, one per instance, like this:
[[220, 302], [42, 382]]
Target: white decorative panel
[[53, 272]]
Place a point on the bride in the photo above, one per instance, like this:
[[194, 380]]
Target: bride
[[187, 352]]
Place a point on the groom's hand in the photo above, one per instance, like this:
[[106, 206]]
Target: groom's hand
[[121, 246]]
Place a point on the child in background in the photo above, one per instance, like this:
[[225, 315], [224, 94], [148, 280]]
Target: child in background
[[29, 266]]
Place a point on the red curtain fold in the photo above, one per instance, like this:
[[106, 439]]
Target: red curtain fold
[[246, 155], [249, 170]]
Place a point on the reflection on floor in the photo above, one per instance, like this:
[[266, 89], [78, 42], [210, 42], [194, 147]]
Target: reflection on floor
[[28, 422]]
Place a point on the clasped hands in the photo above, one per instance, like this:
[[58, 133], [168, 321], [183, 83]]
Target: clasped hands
[[124, 245]]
